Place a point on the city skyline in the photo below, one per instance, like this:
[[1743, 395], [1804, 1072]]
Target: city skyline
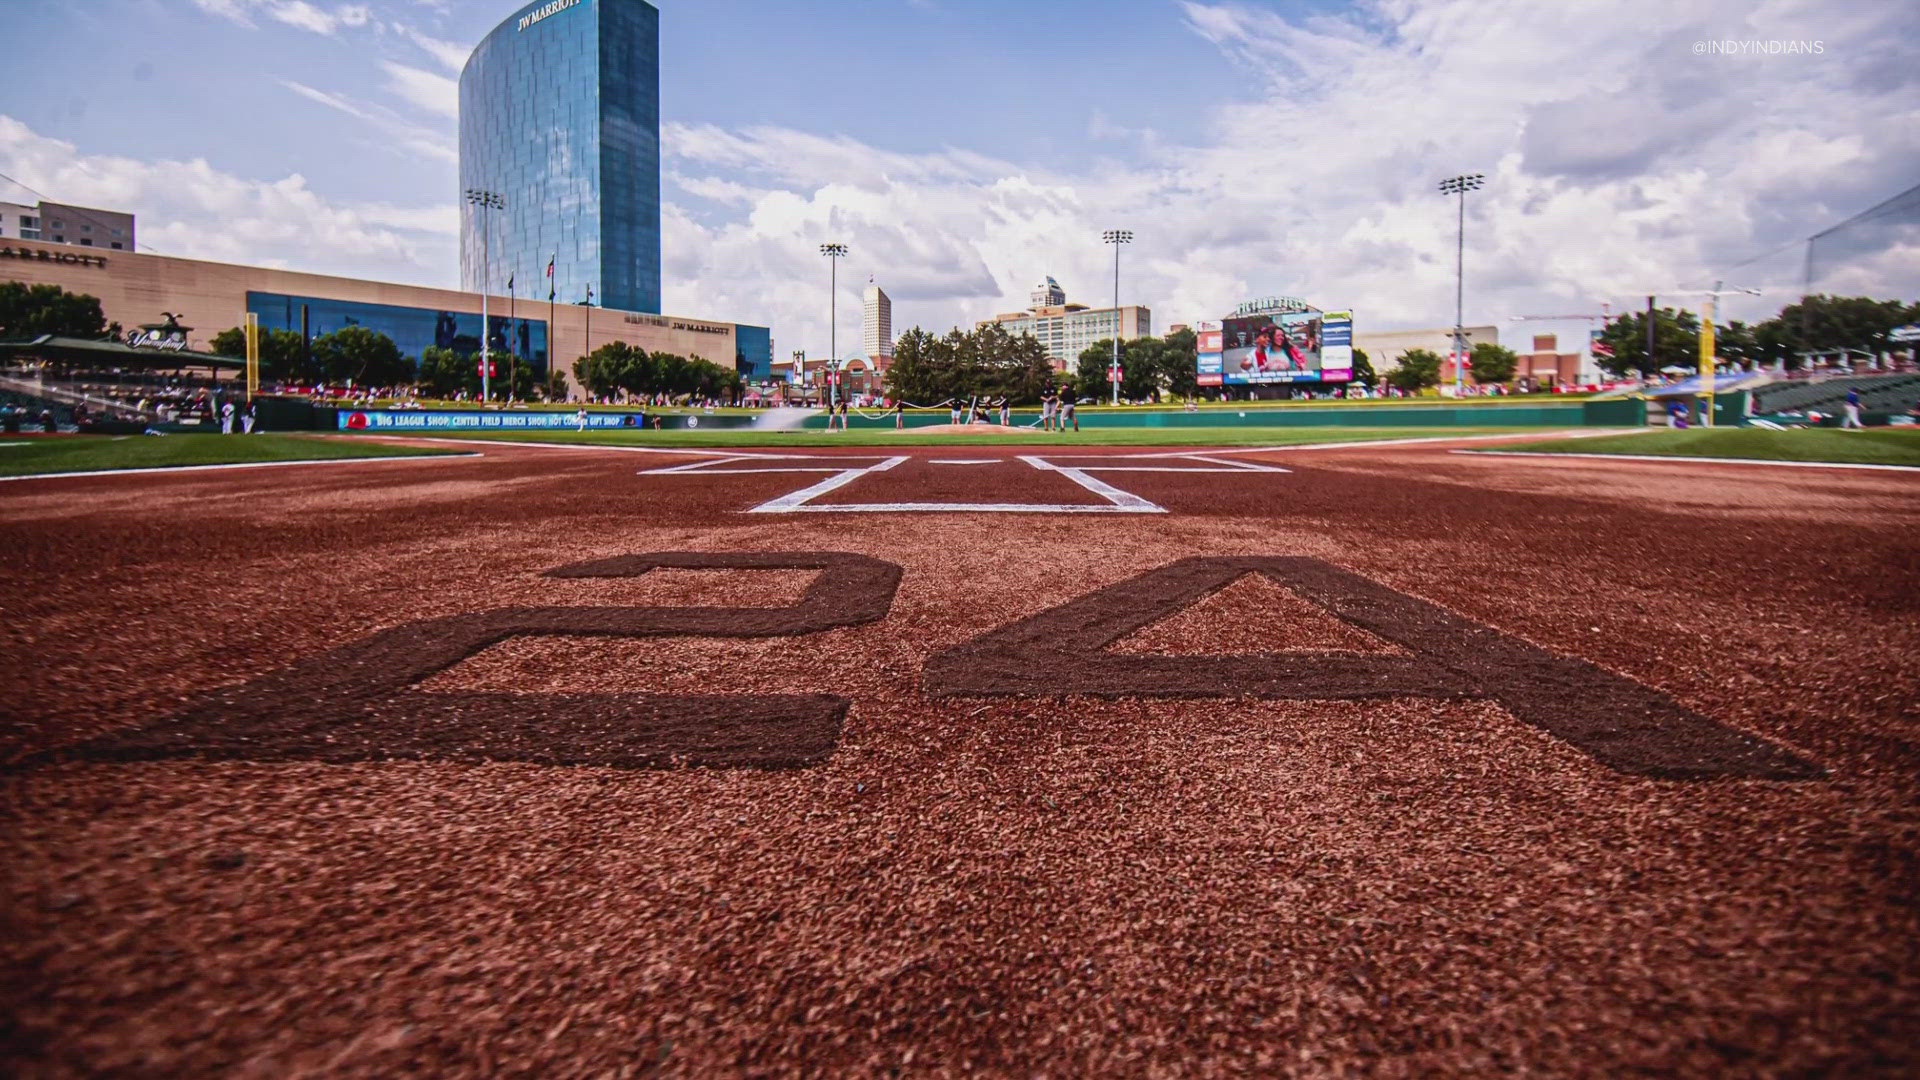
[[319, 137]]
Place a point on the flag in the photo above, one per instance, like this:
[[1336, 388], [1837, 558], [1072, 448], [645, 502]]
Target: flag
[[509, 282], [550, 282]]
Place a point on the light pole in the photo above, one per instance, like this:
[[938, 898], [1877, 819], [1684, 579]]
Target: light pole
[[1116, 237], [484, 201], [588, 304], [834, 253], [1460, 185]]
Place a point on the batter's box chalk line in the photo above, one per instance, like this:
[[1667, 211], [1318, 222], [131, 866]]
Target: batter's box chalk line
[[1078, 468]]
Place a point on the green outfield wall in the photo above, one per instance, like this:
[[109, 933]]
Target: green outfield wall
[[1609, 413], [293, 415]]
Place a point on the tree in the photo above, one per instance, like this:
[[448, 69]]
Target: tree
[[1016, 368], [1493, 363], [1831, 324], [444, 373], [1149, 367], [1180, 363], [1363, 372], [281, 357], [1090, 370], [1676, 342], [914, 368], [984, 363], [556, 388], [1418, 369], [363, 356], [520, 377], [1774, 343], [599, 372], [620, 368], [1736, 343], [28, 311]]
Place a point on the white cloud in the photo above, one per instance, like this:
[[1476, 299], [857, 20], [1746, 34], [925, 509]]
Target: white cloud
[[188, 208], [301, 14], [423, 89], [1617, 162], [398, 134], [447, 54], [296, 13]]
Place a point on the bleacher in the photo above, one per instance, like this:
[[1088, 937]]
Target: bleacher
[[1878, 394]]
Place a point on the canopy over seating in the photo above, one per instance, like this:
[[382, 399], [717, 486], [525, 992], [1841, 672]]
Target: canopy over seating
[[1722, 383], [87, 351]]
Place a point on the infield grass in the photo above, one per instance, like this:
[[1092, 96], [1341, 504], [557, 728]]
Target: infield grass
[[37, 455], [1198, 436], [1874, 446]]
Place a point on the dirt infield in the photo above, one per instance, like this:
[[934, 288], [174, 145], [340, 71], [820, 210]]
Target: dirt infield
[[1163, 762]]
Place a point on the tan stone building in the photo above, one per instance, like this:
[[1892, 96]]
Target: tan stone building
[[1066, 329], [136, 288]]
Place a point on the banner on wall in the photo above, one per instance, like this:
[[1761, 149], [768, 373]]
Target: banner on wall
[[427, 420]]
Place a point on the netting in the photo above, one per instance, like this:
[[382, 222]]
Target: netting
[[1873, 253]]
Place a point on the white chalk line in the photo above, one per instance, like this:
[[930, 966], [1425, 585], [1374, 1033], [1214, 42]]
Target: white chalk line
[[1676, 459], [1115, 500], [240, 465]]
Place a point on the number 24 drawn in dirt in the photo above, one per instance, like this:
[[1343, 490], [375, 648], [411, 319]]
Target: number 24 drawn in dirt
[[359, 702]]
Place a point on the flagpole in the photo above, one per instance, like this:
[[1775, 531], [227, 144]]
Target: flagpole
[[513, 340], [553, 334]]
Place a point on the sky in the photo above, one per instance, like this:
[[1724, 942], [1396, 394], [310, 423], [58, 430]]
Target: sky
[[964, 149]]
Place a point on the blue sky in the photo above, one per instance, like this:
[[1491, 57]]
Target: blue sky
[[964, 150]]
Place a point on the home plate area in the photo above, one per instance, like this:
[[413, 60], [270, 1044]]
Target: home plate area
[[953, 483]]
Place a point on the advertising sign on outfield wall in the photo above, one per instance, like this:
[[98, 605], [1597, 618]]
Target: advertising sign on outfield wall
[[426, 420]]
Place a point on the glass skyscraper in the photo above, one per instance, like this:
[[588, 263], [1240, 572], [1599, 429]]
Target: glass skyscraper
[[560, 115]]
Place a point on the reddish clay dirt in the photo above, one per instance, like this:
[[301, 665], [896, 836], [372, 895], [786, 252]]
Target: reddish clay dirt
[[323, 770]]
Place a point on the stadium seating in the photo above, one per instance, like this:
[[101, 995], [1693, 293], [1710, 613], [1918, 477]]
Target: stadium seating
[[1878, 394]]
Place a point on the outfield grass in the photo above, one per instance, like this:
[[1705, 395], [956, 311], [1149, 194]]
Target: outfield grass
[[1202, 436], [1875, 446], [1356, 403], [35, 455], [1171, 404]]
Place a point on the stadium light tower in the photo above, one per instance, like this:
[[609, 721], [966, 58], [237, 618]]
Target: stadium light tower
[[1116, 237], [484, 201], [834, 253], [1460, 185]]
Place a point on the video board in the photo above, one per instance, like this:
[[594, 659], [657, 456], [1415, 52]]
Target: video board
[[1284, 347]]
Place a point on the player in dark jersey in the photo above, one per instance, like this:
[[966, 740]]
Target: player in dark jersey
[[1069, 399], [1049, 401]]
